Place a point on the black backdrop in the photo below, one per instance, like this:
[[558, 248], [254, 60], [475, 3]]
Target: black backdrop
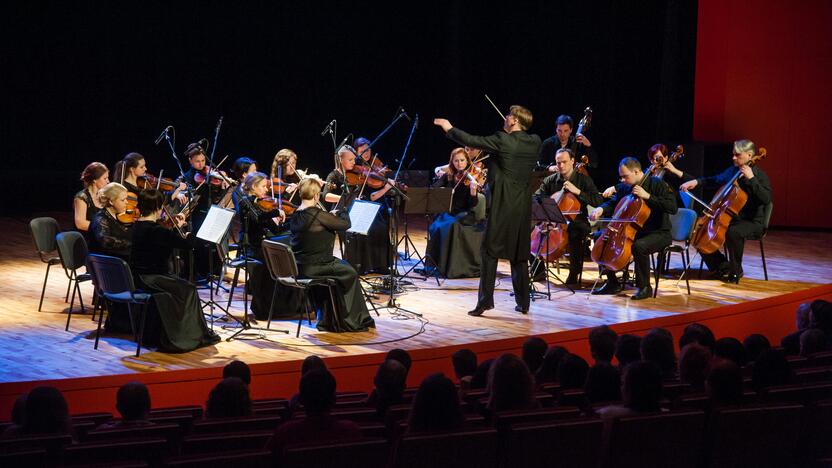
[[87, 81]]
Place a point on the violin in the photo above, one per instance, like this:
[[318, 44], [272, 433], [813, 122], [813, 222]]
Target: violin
[[131, 214], [149, 181], [168, 220], [710, 228], [658, 168], [215, 178], [272, 203], [361, 175]]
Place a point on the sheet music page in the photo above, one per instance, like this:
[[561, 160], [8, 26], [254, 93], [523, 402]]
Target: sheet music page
[[362, 214], [215, 225]]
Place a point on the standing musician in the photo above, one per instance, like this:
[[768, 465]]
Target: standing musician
[[86, 203], [182, 326], [365, 253], [453, 252], [751, 219], [563, 138], [108, 235], [568, 179], [313, 238], [514, 155], [653, 236]]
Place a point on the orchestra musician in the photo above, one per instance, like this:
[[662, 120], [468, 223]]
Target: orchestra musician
[[182, 326], [313, 239], [654, 234], [514, 155], [86, 202], [453, 250], [751, 219], [658, 156], [131, 168], [287, 161], [241, 168], [563, 138], [582, 186], [108, 235]]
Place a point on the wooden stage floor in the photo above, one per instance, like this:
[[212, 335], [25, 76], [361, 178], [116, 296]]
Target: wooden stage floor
[[34, 345]]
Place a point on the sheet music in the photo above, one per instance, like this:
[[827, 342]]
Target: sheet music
[[215, 225], [362, 214]]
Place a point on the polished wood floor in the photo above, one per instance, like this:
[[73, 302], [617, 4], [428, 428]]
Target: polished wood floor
[[34, 345]]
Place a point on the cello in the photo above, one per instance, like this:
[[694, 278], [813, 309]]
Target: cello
[[710, 229], [550, 240]]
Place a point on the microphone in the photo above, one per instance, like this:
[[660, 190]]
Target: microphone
[[328, 127], [162, 135], [203, 143], [343, 142], [404, 113], [219, 124]]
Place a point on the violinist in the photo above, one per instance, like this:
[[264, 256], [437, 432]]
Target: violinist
[[241, 168], [86, 202], [107, 235], [583, 188], [563, 138], [452, 249], [751, 219], [363, 149], [132, 168], [183, 326], [654, 234], [287, 162]]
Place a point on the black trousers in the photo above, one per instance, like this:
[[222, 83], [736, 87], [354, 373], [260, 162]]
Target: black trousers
[[488, 276], [645, 244], [577, 234], [738, 231]]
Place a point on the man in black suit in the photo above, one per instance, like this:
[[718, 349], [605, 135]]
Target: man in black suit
[[514, 155]]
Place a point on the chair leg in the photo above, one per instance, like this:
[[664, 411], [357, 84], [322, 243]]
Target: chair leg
[[100, 319], [68, 286], [763, 254], [306, 307], [659, 266], [271, 306], [233, 286], [335, 319], [43, 290], [142, 315], [701, 262], [72, 302], [685, 266], [80, 299]]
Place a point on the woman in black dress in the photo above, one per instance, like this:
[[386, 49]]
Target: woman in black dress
[[86, 203], [313, 238], [108, 235], [182, 326]]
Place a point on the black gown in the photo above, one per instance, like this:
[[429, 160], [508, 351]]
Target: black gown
[[367, 254], [454, 241], [85, 196], [108, 236], [313, 238], [181, 326]]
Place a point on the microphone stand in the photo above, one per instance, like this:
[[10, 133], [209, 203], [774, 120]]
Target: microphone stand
[[172, 145]]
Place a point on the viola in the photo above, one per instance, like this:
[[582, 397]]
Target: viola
[[710, 228], [215, 178]]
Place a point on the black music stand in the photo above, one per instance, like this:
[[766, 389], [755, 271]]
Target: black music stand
[[427, 201], [544, 210], [213, 230]]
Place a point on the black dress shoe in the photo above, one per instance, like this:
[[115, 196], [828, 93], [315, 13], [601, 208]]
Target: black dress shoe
[[478, 310], [571, 280], [610, 287], [521, 309], [642, 293], [733, 278]]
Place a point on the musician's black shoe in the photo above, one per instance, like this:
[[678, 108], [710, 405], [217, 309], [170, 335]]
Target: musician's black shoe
[[521, 309], [572, 280], [722, 272], [733, 278], [610, 287], [478, 310], [642, 293]]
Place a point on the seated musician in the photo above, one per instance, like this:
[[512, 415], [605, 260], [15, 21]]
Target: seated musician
[[86, 202], [285, 166], [108, 235], [131, 168], [313, 239], [366, 253], [241, 168], [563, 138], [568, 179], [751, 219], [182, 325], [653, 236], [453, 252], [658, 155]]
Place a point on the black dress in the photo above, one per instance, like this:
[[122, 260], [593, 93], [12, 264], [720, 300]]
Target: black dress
[[108, 236], [454, 241], [313, 238], [181, 325], [367, 254], [84, 196], [257, 225]]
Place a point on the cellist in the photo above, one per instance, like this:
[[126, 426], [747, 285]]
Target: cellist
[[568, 179], [654, 234], [751, 218]]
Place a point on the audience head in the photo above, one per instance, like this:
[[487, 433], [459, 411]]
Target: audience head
[[533, 350], [754, 345], [812, 341], [572, 371], [19, 410], [724, 384], [731, 349], [435, 406], [510, 384], [317, 391], [400, 355], [46, 412], [465, 363], [642, 386], [657, 347], [480, 377], [694, 365], [771, 368], [803, 315], [627, 350], [821, 316], [548, 371], [602, 340], [698, 333], [229, 399], [603, 383], [237, 369], [390, 380], [133, 401], [312, 362]]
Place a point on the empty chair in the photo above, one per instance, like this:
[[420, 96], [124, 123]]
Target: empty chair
[[72, 250], [554, 444], [360, 454], [44, 231], [671, 439], [474, 448], [681, 228], [759, 437]]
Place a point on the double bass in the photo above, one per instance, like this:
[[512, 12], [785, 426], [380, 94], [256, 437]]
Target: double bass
[[583, 125], [710, 229], [550, 240]]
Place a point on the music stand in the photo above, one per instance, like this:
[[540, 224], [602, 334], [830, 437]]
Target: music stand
[[544, 210], [427, 201], [213, 230]]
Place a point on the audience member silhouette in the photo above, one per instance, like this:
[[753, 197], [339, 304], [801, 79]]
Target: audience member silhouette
[[754, 345], [627, 350], [730, 348], [603, 383], [572, 372], [602, 341], [698, 333], [548, 371], [657, 347], [237, 369], [510, 385], [694, 365], [534, 348], [771, 369], [641, 390], [479, 380], [465, 365], [133, 404], [724, 383], [228, 399], [390, 382], [812, 341], [435, 406]]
